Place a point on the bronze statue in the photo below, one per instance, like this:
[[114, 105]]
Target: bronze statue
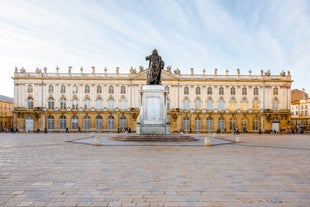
[[156, 64]]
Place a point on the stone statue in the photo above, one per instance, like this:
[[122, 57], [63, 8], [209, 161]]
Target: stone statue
[[156, 64]]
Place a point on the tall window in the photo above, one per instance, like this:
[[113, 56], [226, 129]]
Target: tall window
[[244, 124], [198, 91], [75, 122], [275, 104], [244, 91], [255, 123], [197, 124], [275, 91], [220, 103], [232, 104], [197, 104], [122, 123], [111, 89], [209, 91], [99, 89], [86, 122], [186, 90], [74, 103], [221, 91], [232, 123], [244, 104], [111, 122], [63, 103], [75, 89], [111, 103], [186, 123], [29, 89], [123, 103], [63, 122], [62, 89], [255, 105], [209, 124], [221, 123], [98, 122], [50, 103], [209, 104], [87, 89], [255, 91], [123, 89], [186, 104], [50, 88], [87, 103], [30, 103], [232, 91], [98, 103], [50, 122]]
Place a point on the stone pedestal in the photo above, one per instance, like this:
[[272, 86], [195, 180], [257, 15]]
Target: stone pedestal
[[153, 119]]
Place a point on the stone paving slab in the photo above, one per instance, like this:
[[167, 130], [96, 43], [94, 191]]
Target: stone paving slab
[[262, 170]]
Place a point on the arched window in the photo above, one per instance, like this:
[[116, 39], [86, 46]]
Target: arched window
[[111, 122], [232, 104], [123, 103], [111, 89], [63, 103], [186, 124], [255, 123], [87, 122], [75, 103], [63, 122], [123, 89], [50, 122], [209, 91], [50, 88], [50, 103], [255, 91], [244, 91], [232, 123], [186, 90], [75, 89], [220, 103], [98, 122], [244, 124], [98, 103], [111, 103], [197, 104], [197, 124], [275, 104], [209, 104], [275, 91], [122, 123], [221, 91], [75, 122], [209, 123], [99, 89], [244, 104], [29, 89], [186, 104], [221, 123], [62, 89], [198, 91], [87, 89], [87, 103], [255, 104], [232, 91], [30, 103]]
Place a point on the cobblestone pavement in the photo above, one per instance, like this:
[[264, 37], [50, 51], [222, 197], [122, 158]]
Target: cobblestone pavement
[[263, 170]]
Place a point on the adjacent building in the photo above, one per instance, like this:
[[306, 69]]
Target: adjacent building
[[110, 101], [299, 108], [6, 113]]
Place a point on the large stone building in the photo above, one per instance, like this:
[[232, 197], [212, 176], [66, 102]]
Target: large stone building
[[108, 102], [6, 113], [299, 109]]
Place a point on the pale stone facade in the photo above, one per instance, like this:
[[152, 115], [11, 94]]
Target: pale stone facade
[[111, 101], [300, 113], [6, 113]]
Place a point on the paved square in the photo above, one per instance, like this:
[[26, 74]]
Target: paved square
[[263, 170]]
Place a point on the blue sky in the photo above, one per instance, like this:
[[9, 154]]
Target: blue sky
[[258, 35]]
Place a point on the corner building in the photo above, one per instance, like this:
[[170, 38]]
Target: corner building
[[110, 102]]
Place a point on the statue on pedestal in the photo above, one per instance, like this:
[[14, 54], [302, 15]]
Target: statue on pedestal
[[156, 65]]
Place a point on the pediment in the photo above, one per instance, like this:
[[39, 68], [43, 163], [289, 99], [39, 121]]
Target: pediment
[[164, 75]]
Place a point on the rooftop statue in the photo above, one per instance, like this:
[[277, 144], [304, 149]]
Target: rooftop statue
[[156, 65]]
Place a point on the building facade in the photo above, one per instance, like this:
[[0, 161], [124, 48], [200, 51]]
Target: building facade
[[300, 111], [6, 113], [110, 102]]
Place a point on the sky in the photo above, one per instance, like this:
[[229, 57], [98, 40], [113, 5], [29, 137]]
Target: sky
[[258, 35]]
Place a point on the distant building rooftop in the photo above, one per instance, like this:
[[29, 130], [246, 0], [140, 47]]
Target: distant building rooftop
[[6, 99]]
